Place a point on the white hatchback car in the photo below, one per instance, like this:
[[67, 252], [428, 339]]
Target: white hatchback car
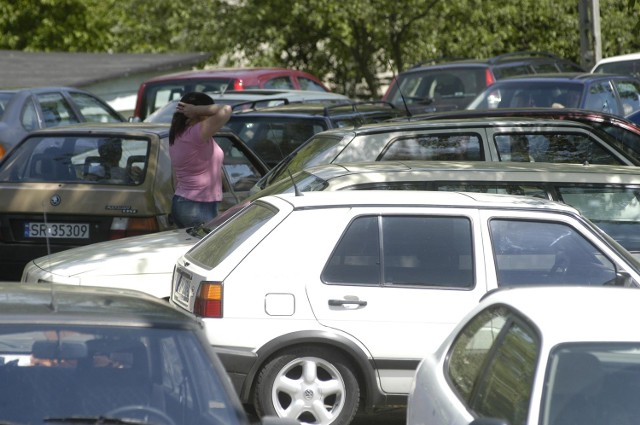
[[546, 356], [605, 194], [325, 303]]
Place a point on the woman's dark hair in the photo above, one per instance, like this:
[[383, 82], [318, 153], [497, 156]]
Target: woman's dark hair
[[179, 120]]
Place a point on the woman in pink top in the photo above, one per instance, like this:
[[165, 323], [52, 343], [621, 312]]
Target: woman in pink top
[[196, 158]]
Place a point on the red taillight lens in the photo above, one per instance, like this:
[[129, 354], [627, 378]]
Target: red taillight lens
[[122, 227], [488, 77], [209, 300], [238, 85]]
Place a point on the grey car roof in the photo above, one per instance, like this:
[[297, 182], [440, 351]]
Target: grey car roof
[[460, 123], [481, 170]]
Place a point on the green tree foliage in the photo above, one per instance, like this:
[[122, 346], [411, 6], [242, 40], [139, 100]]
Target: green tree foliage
[[348, 43]]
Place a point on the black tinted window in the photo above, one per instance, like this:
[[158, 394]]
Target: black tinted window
[[413, 252]]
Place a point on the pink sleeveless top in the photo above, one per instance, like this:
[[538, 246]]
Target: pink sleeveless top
[[197, 166]]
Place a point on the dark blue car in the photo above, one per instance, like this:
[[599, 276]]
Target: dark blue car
[[610, 93]]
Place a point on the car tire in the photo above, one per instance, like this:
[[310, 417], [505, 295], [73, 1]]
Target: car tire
[[312, 385]]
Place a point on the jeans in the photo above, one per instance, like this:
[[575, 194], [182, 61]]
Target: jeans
[[187, 213]]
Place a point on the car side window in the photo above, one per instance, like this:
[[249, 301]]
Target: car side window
[[615, 209], [629, 92], [92, 109], [307, 84], [29, 117], [541, 252], [435, 147], [559, 147], [56, 110], [426, 251], [601, 98], [492, 363]]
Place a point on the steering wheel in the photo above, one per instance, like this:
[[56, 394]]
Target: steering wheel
[[140, 410]]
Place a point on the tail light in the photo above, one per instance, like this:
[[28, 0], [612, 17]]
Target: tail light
[[238, 84], [209, 300], [122, 227], [488, 77]]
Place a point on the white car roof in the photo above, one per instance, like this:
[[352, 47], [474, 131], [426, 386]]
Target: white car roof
[[617, 58], [410, 198], [574, 313]]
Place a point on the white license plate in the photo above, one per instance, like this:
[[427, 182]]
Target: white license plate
[[181, 286], [56, 230]]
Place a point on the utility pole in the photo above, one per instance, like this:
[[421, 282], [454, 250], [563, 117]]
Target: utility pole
[[590, 40]]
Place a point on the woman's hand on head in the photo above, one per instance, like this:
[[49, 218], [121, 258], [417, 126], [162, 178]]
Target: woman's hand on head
[[187, 109]]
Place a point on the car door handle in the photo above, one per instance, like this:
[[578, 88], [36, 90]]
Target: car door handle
[[334, 303]]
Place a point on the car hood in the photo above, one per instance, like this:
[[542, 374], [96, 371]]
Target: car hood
[[147, 254]]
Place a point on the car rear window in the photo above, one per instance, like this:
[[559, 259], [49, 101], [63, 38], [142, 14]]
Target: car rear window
[[219, 244], [156, 95], [80, 159], [420, 87], [529, 94], [274, 137]]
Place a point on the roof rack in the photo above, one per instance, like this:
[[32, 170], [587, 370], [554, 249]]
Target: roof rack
[[354, 105], [251, 104]]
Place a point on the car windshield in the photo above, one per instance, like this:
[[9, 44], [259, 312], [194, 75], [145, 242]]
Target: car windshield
[[592, 384], [51, 373], [87, 158], [529, 95]]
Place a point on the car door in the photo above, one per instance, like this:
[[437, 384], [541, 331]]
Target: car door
[[241, 169], [398, 282]]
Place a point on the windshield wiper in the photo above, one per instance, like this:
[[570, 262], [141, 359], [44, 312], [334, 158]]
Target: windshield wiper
[[94, 420]]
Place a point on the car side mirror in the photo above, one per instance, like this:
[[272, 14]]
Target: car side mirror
[[624, 280]]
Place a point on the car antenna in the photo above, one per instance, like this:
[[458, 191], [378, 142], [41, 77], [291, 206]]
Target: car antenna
[[53, 305], [395, 80], [295, 186]]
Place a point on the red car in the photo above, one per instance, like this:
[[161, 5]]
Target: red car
[[158, 91]]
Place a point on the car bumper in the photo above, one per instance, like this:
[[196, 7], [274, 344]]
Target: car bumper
[[238, 362]]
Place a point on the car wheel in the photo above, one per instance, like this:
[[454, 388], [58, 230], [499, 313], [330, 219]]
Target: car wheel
[[310, 385]]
